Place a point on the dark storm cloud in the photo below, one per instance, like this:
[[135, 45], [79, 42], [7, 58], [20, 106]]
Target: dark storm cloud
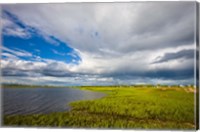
[[183, 54], [56, 73], [178, 74], [13, 72], [34, 72]]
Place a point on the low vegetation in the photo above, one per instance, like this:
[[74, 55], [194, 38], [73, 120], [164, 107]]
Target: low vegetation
[[29, 86], [124, 107]]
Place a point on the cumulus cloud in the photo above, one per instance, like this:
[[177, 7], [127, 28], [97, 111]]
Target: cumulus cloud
[[117, 42]]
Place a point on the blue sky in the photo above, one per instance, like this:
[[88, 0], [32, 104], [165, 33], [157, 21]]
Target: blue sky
[[99, 43], [34, 42]]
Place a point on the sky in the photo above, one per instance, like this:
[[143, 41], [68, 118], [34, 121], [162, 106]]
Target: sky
[[98, 43]]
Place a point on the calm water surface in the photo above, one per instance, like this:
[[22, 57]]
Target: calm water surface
[[42, 100]]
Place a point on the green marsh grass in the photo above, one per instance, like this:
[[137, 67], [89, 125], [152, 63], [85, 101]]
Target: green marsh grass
[[122, 107]]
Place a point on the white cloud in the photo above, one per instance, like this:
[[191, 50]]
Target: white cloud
[[58, 53], [17, 52], [10, 28]]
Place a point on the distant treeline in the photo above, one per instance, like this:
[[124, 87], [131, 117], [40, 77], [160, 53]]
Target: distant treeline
[[141, 85], [117, 86], [27, 86]]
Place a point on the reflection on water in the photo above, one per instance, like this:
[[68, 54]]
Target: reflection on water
[[42, 100]]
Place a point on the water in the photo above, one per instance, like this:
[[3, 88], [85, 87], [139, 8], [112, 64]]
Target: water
[[42, 100]]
